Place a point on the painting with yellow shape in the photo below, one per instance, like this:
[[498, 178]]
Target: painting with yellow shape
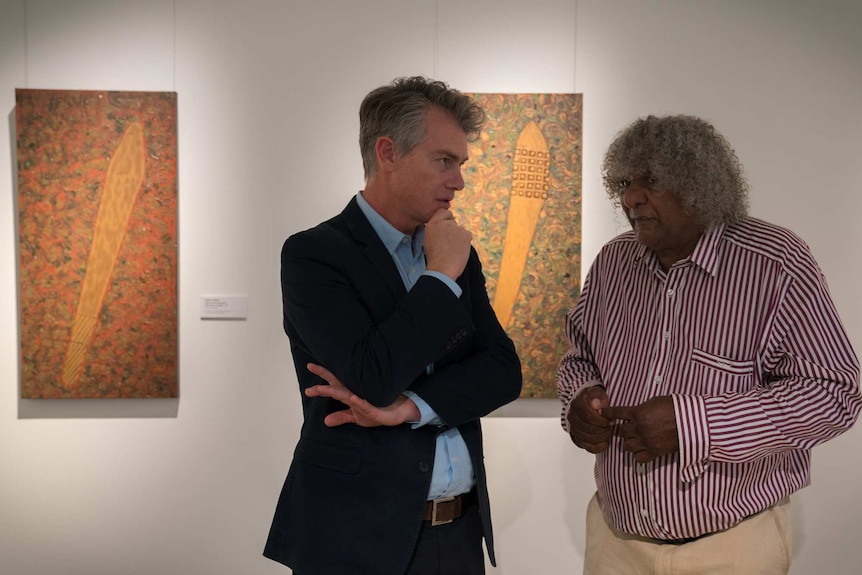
[[97, 243], [522, 201]]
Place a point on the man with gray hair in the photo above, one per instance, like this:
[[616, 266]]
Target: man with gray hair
[[706, 360], [388, 476]]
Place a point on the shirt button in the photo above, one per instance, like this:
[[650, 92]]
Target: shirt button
[[644, 513], [424, 467], [666, 335], [641, 468], [670, 292], [657, 379]]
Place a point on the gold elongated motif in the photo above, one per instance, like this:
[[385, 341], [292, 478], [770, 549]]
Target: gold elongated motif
[[124, 179], [530, 184]]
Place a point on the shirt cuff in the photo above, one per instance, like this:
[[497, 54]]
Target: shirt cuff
[[427, 416], [456, 289], [693, 430], [567, 405]]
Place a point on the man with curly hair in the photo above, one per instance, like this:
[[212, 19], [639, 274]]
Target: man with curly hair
[[706, 360], [388, 475]]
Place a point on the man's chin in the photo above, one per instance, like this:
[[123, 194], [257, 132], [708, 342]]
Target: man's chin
[[645, 236]]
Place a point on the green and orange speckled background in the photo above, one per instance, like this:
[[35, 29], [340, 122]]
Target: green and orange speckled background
[[65, 142], [551, 281]]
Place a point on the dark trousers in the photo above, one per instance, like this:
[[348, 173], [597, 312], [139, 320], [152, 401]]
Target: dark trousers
[[451, 549]]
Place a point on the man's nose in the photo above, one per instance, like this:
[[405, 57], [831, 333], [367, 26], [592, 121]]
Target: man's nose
[[457, 181], [634, 195]]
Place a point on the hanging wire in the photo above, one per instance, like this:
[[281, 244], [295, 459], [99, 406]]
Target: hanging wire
[[575, 52], [436, 36], [175, 47], [26, 62]]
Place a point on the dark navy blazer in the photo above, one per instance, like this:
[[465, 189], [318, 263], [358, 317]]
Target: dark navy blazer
[[354, 497]]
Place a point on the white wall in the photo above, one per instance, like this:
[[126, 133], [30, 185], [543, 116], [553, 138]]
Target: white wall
[[268, 93]]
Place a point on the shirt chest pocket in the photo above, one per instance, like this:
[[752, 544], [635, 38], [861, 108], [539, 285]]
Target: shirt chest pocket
[[713, 373]]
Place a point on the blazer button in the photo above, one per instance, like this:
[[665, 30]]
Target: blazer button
[[424, 467]]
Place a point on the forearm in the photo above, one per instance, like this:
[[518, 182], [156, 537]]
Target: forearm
[[797, 414], [577, 372], [481, 377], [483, 372], [386, 359], [744, 427], [472, 387]]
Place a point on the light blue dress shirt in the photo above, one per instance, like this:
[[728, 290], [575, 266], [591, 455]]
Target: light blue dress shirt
[[453, 470]]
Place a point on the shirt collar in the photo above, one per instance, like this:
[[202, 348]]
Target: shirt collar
[[388, 234], [706, 254]]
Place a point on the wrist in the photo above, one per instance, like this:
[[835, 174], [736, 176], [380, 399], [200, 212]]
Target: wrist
[[410, 411]]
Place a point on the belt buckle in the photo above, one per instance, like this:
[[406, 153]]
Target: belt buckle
[[434, 506]]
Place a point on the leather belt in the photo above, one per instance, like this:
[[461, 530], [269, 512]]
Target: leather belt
[[447, 509], [679, 541]]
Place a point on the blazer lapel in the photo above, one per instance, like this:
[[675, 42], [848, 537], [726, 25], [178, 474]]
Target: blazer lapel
[[373, 248]]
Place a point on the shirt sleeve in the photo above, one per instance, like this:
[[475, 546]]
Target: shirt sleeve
[[452, 284], [691, 423], [427, 415], [577, 369], [809, 389]]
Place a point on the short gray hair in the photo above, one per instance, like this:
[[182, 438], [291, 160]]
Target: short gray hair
[[397, 110], [684, 155]]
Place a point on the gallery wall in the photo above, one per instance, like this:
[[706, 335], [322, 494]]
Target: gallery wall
[[268, 92]]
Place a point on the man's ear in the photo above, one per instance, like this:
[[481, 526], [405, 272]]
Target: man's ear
[[386, 153]]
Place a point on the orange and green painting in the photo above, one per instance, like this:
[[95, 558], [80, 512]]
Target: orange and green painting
[[522, 201], [97, 233]]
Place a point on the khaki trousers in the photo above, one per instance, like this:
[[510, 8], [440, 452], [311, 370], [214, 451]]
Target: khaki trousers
[[761, 545]]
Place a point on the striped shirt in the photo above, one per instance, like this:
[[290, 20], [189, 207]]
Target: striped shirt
[[745, 339]]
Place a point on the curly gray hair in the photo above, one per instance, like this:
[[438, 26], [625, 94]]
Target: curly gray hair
[[397, 110], [684, 155]]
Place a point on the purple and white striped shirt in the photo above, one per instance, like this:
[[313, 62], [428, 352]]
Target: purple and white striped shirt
[[744, 337]]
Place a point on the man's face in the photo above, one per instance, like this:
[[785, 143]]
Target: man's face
[[660, 221], [427, 177]]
